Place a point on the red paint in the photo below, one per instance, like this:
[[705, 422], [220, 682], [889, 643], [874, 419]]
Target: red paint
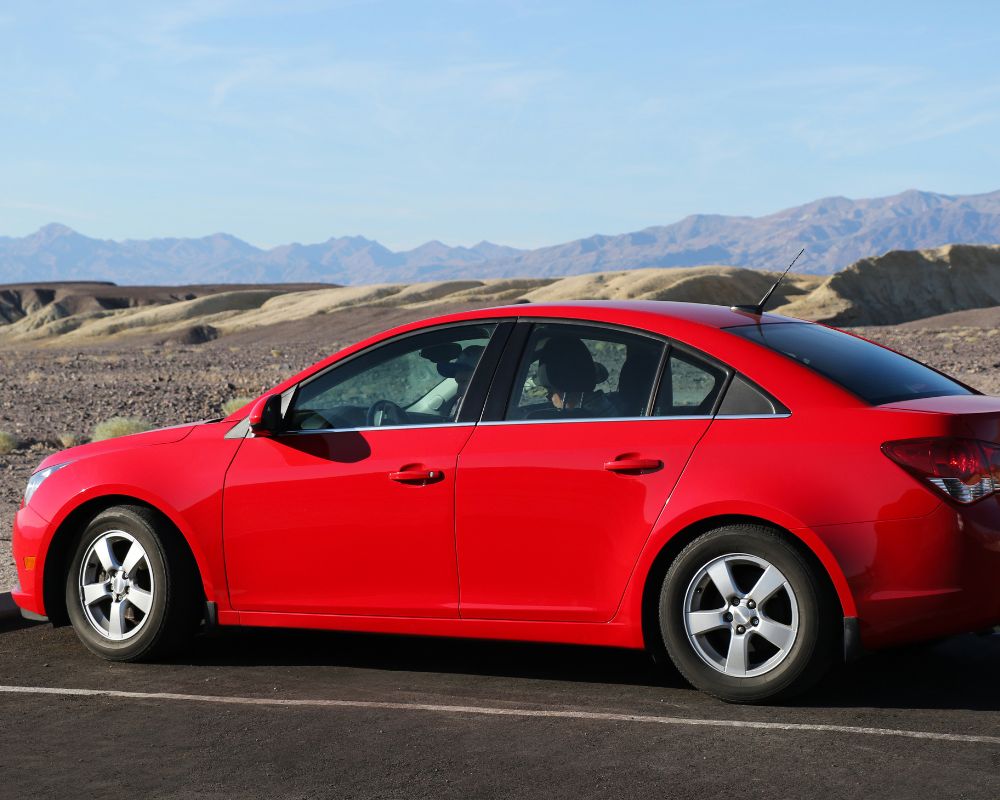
[[315, 524], [539, 531], [544, 531]]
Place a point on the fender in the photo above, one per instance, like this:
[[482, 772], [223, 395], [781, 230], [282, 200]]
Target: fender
[[669, 527], [213, 584]]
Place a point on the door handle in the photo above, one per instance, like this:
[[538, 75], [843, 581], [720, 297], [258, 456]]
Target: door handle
[[633, 465], [414, 475]]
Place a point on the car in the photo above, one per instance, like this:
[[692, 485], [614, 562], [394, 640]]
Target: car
[[756, 497]]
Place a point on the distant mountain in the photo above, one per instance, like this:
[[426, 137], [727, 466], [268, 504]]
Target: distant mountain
[[835, 231], [900, 286]]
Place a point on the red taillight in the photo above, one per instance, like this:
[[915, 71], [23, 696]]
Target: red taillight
[[964, 469]]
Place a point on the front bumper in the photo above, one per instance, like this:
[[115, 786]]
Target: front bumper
[[30, 537]]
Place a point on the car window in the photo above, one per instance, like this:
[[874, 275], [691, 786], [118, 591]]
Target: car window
[[417, 380], [744, 399], [584, 371], [873, 373], [689, 386]]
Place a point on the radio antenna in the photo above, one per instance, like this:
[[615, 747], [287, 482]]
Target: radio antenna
[[759, 308]]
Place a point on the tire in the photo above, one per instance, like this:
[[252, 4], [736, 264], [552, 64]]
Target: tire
[[739, 648], [142, 600]]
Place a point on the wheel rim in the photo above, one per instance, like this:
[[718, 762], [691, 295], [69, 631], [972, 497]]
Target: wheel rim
[[741, 615], [115, 586]]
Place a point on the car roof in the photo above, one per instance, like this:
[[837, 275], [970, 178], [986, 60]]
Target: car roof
[[703, 314]]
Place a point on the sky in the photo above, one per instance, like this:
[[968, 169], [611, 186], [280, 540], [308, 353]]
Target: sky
[[524, 122]]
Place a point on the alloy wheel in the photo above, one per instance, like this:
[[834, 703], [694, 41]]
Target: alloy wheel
[[741, 615], [115, 585]]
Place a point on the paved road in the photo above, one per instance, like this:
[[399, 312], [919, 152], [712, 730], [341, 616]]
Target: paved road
[[536, 721]]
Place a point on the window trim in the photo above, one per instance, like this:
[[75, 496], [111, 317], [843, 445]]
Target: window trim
[[367, 428], [727, 378], [502, 387], [528, 324], [293, 391], [508, 343]]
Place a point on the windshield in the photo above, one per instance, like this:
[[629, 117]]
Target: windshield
[[875, 374]]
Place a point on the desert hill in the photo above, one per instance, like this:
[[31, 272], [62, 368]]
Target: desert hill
[[897, 287], [835, 231]]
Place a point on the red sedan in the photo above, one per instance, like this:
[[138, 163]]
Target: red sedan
[[755, 496]]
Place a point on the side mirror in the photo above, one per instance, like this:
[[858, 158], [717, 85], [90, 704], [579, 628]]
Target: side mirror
[[265, 416]]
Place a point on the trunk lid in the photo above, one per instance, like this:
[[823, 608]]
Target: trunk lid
[[974, 415]]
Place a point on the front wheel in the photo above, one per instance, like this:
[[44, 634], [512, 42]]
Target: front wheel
[[131, 591], [745, 617]]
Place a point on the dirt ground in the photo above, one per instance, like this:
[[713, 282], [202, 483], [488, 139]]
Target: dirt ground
[[50, 393]]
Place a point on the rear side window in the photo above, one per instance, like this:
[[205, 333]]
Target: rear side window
[[873, 373], [584, 372], [745, 400], [689, 386]]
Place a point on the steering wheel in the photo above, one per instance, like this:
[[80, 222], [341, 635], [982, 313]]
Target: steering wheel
[[385, 412]]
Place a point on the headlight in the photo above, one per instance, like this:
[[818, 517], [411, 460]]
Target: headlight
[[36, 480]]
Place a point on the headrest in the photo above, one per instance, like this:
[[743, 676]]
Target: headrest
[[466, 361], [565, 365]]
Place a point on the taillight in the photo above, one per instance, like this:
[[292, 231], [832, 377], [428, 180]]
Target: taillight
[[964, 469]]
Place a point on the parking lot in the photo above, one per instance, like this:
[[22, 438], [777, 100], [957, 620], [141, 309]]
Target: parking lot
[[298, 714]]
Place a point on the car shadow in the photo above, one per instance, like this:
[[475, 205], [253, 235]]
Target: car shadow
[[15, 623], [957, 674], [399, 653]]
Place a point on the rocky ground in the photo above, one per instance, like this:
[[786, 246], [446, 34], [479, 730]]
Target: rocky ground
[[51, 394]]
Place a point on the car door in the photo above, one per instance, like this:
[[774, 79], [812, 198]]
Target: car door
[[350, 510], [555, 503]]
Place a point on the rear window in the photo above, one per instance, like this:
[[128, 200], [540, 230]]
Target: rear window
[[875, 374]]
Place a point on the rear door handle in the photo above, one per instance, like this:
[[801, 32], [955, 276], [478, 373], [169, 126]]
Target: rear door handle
[[415, 475], [633, 465]]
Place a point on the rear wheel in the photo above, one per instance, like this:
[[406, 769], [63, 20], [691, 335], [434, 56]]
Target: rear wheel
[[745, 617], [131, 591]]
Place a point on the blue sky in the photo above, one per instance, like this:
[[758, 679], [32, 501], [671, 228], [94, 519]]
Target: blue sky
[[523, 122]]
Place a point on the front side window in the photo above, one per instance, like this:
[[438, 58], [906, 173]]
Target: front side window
[[584, 372], [417, 380], [875, 374]]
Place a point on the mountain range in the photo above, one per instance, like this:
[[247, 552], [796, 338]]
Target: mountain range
[[835, 232]]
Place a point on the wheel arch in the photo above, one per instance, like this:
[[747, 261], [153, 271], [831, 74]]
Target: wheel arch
[[803, 539], [59, 553]]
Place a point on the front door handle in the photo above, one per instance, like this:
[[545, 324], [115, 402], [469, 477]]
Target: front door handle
[[633, 465], [416, 475]]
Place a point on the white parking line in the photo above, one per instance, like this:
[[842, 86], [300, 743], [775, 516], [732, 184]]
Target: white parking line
[[500, 712]]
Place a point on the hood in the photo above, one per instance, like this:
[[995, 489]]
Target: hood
[[145, 439]]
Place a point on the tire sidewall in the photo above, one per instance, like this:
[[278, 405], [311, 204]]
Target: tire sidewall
[[143, 641], [804, 660]]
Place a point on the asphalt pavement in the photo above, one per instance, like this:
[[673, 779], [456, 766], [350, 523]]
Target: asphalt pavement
[[287, 714]]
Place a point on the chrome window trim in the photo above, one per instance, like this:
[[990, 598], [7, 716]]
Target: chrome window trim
[[781, 415], [521, 422], [590, 419], [378, 428], [631, 419], [518, 422]]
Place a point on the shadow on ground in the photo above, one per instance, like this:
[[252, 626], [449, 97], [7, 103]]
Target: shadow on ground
[[959, 673]]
